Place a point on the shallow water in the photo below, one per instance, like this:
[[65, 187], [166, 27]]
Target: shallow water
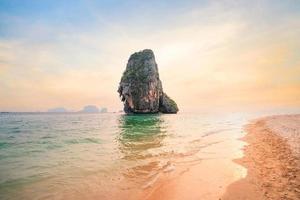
[[76, 156]]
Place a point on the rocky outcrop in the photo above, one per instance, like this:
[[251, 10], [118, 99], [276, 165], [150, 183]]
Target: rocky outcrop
[[167, 105], [140, 88]]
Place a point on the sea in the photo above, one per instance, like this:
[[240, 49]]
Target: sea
[[115, 156]]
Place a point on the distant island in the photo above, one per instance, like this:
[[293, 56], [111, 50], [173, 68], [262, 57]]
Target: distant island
[[90, 109], [141, 89], [85, 109], [93, 109], [57, 110]]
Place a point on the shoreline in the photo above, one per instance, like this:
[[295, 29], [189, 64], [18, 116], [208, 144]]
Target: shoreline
[[272, 160], [209, 163], [207, 178]]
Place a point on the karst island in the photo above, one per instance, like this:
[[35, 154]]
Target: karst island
[[141, 88]]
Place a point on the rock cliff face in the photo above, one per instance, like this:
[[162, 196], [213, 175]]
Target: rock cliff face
[[140, 88]]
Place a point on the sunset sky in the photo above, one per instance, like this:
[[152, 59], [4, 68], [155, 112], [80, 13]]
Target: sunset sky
[[210, 54]]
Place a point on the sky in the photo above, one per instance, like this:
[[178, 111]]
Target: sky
[[227, 54]]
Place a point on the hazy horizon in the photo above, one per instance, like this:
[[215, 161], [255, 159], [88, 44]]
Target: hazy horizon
[[210, 55]]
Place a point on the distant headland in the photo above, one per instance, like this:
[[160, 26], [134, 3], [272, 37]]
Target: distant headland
[[141, 89]]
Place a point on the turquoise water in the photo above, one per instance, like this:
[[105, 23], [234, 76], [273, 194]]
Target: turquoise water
[[76, 156]]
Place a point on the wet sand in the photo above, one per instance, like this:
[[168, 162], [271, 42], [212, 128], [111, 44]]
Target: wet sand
[[197, 182], [272, 159], [206, 178]]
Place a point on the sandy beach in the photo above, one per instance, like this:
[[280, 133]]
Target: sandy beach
[[272, 159]]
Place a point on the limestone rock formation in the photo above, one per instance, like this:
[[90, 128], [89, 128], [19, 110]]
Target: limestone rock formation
[[167, 105], [140, 88]]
